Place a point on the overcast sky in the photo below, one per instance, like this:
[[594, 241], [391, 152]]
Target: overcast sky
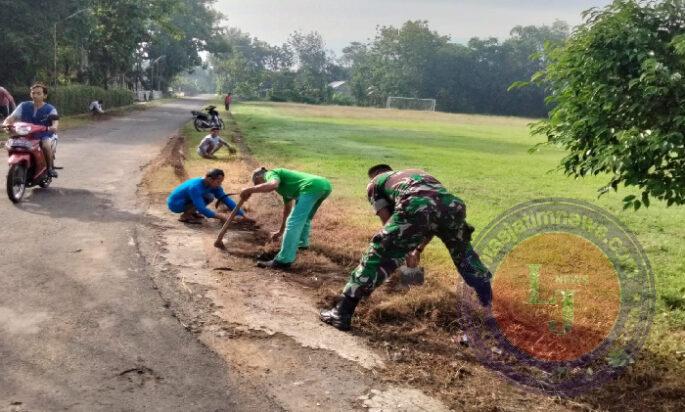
[[343, 21]]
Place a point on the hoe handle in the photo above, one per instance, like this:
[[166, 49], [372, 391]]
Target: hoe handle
[[219, 240]]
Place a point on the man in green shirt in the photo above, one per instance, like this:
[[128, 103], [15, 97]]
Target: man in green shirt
[[307, 191]]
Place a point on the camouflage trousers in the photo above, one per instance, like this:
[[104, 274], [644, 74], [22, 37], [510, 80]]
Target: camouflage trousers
[[413, 222]]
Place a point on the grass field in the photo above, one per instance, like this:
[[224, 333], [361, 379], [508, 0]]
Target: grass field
[[482, 159]]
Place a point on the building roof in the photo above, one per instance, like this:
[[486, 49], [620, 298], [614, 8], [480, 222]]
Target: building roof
[[336, 84]]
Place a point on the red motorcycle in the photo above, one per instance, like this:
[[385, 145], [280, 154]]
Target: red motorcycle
[[26, 159]]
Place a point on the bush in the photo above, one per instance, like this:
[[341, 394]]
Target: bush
[[75, 99], [342, 99], [278, 98]]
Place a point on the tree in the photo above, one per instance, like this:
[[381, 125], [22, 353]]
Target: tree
[[415, 61], [242, 69], [102, 42], [311, 79], [618, 86], [188, 27]]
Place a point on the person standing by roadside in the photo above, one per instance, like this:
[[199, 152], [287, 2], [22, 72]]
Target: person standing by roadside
[[228, 100], [7, 104]]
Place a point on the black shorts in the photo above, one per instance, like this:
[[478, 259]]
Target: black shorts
[[4, 111]]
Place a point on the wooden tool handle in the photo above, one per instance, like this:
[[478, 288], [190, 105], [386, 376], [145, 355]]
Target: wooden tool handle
[[224, 228]]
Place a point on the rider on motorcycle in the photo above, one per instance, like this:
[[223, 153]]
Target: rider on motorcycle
[[39, 112]]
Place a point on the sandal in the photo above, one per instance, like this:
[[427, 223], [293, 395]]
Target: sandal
[[191, 221]]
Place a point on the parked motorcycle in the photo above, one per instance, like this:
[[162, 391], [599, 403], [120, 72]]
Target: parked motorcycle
[[26, 160], [207, 120]]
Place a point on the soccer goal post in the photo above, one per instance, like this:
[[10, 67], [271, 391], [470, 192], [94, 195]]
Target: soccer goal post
[[410, 103]]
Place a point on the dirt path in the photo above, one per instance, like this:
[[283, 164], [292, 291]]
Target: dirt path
[[82, 325]]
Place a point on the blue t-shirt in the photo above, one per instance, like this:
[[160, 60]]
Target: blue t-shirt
[[195, 191], [27, 113]]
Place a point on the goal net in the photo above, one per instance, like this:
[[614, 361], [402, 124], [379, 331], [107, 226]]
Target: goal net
[[410, 103]]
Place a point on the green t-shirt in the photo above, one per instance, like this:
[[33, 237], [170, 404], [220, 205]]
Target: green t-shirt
[[292, 184]]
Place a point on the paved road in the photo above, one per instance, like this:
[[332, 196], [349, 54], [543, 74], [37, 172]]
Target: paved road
[[81, 325]]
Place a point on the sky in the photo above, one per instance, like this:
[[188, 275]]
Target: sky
[[343, 21]]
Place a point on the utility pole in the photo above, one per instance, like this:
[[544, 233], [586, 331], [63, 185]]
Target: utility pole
[[152, 77]]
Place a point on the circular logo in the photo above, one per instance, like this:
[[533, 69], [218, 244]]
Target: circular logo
[[573, 296]]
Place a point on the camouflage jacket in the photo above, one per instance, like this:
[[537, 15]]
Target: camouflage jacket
[[390, 189]]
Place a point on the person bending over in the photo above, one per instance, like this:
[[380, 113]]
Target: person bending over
[[192, 197], [413, 207]]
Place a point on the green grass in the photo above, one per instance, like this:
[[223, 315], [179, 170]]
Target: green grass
[[484, 160]]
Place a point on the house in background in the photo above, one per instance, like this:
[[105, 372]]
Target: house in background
[[341, 87]]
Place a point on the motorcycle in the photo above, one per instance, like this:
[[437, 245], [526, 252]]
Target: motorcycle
[[206, 120], [26, 160]]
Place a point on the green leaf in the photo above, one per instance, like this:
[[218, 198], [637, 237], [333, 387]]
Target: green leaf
[[538, 76], [518, 85]]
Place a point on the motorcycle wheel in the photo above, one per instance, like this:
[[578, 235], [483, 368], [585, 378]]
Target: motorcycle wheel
[[198, 124], [221, 124], [16, 182]]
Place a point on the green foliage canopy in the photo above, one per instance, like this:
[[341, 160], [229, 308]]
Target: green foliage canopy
[[415, 61], [618, 89], [103, 42]]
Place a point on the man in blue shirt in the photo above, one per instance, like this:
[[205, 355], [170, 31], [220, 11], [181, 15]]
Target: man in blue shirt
[[192, 197], [39, 112]]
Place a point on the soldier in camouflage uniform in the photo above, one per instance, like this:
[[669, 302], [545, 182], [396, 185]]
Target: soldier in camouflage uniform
[[413, 207]]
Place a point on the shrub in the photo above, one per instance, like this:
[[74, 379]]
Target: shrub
[[75, 99], [342, 99]]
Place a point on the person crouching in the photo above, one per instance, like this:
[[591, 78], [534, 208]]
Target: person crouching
[[210, 144], [191, 198]]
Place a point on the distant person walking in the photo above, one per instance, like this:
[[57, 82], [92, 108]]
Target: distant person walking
[[7, 104], [228, 100]]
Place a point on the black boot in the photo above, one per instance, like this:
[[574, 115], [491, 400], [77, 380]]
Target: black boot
[[484, 292], [273, 264], [340, 316]]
